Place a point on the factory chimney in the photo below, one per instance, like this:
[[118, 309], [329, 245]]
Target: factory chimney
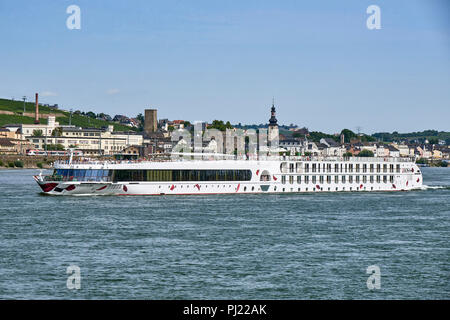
[[36, 114]]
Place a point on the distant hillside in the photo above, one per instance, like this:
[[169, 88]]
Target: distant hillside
[[16, 107], [431, 135]]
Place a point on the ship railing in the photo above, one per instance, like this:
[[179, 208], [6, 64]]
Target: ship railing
[[260, 158]]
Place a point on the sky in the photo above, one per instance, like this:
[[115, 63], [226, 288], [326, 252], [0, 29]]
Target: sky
[[202, 60]]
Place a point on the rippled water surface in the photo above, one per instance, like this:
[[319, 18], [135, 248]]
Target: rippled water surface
[[297, 246]]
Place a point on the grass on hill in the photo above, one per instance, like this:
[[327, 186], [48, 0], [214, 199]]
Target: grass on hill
[[14, 119], [77, 120], [17, 106]]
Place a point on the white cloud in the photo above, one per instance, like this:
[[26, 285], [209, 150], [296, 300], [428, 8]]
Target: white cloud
[[112, 91], [49, 94]]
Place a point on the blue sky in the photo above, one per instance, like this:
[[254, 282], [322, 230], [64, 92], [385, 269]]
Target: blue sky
[[205, 60]]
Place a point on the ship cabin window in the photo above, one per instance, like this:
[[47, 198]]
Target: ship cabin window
[[291, 167], [265, 176], [81, 175]]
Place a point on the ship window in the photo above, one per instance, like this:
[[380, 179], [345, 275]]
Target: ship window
[[181, 175]]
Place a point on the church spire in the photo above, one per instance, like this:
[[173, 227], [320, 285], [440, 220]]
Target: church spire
[[273, 119]]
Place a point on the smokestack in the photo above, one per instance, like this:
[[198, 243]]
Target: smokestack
[[36, 114]]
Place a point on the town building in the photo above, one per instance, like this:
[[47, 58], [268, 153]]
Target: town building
[[92, 141]]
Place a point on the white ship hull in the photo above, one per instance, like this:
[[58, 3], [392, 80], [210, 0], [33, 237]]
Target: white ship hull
[[291, 175]]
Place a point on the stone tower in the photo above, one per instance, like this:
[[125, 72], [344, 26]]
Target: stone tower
[[150, 121]]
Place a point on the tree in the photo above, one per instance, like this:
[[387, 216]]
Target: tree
[[37, 133], [348, 135], [348, 154], [220, 125], [141, 120], [365, 153], [57, 132], [90, 114]]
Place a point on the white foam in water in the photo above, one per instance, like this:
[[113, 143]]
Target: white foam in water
[[425, 187]]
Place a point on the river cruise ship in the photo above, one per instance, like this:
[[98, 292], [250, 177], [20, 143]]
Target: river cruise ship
[[283, 175]]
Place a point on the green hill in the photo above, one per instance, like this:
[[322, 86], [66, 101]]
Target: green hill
[[63, 119]]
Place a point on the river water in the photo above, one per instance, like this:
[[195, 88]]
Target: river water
[[291, 246]]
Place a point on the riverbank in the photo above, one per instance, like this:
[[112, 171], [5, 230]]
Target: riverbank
[[27, 162]]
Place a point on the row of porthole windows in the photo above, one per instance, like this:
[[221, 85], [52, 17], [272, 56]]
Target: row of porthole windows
[[337, 179], [211, 187], [274, 189], [328, 189]]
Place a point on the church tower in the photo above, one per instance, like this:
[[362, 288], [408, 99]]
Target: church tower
[[273, 133]]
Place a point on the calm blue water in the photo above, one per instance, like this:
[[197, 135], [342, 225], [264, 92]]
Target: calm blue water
[[298, 246]]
